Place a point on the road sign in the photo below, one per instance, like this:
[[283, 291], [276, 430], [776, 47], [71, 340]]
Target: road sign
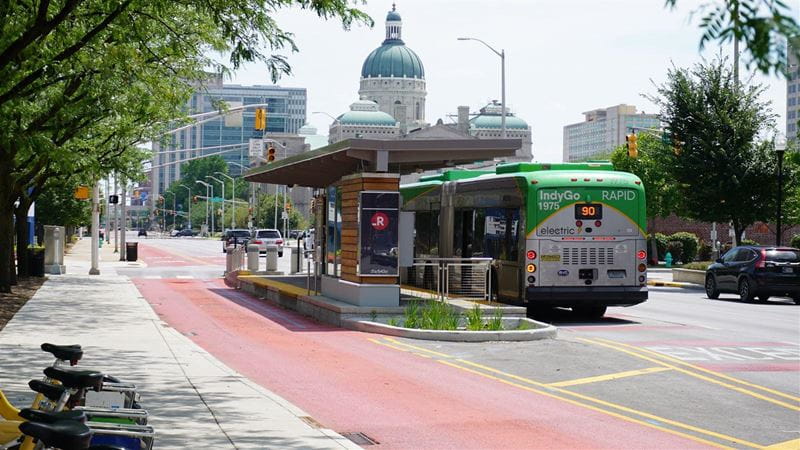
[[379, 221], [256, 147], [284, 215]]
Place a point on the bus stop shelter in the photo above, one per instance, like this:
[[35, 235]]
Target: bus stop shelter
[[360, 229]]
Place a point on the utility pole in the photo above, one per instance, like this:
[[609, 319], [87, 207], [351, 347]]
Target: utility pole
[[124, 227], [108, 212], [116, 218], [95, 228]]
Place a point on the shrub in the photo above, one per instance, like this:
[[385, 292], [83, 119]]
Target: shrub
[[748, 242], [496, 322], [675, 248], [690, 244], [475, 318], [700, 265], [438, 315], [704, 251], [661, 244], [795, 242]]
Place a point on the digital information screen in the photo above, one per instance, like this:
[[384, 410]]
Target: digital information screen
[[587, 211]]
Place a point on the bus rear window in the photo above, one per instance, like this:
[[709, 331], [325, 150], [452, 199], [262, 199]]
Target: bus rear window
[[784, 256]]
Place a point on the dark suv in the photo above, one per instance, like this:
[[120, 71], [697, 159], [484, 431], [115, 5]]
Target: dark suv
[[756, 271], [235, 237]]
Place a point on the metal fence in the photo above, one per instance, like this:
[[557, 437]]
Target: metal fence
[[453, 277]]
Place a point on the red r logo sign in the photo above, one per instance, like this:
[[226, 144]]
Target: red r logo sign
[[379, 221]]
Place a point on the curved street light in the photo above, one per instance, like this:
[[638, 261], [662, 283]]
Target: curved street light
[[502, 55], [208, 186], [223, 201], [233, 193], [335, 120]]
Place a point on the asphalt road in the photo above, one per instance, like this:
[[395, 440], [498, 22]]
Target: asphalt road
[[678, 371]]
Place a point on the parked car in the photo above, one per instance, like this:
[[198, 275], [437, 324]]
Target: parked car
[[235, 237], [294, 234], [308, 237], [174, 232], [186, 232], [756, 271], [142, 232], [265, 237]]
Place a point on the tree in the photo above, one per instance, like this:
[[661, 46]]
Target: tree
[[264, 214], [83, 81], [659, 186], [761, 24], [721, 171]]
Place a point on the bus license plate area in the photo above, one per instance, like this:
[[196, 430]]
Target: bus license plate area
[[587, 274], [616, 274]]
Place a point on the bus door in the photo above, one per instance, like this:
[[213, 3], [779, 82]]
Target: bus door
[[501, 239]]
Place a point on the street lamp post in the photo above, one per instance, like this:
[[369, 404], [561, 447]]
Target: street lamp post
[[207, 197], [223, 199], [335, 120], [780, 150], [502, 55], [188, 203], [252, 200], [233, 202]]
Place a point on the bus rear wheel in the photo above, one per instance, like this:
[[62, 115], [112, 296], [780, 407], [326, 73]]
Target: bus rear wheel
[[590, 312]]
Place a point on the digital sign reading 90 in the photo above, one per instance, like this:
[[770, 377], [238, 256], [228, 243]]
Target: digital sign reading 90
[[588, 211]]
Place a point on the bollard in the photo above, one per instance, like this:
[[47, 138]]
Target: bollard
[[294, 261], [252, 257], [229, 259], [272, 258]]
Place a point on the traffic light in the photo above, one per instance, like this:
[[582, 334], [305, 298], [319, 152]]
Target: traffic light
[[261, 119], [271, 154], [194, 199], [288, 206], [630, 140]]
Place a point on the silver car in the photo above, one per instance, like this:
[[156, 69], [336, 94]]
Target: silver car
[[265, 237]]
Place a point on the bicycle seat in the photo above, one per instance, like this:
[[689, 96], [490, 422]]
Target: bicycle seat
[[37, 415], [72, 353], [64, 434], [76, 379], [51, 391]]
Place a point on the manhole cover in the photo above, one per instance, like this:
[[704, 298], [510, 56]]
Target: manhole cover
[[360, 438]]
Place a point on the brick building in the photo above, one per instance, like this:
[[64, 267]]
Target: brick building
[[761, 232]]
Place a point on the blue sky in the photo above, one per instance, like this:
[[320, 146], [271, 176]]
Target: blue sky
[[563, 57]]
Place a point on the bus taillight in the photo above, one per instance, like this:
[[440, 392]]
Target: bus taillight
[[641, 254], [531, 254]]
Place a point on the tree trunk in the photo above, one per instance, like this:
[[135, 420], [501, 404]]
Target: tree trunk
[[738, 229], [21, 225], [652, 250], [7, 278]]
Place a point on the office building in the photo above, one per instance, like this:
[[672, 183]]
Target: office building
[[603, 130], [792, 89]]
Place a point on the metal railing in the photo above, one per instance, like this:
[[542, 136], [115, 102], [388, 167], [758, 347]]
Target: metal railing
[[453, 277]]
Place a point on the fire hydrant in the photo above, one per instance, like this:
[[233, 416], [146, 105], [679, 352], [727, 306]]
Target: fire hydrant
[[668, 259]]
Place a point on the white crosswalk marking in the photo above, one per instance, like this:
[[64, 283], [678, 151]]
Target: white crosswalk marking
[[152, 277], [185, 277]]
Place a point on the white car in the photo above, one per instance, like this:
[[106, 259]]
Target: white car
[[265, 237]]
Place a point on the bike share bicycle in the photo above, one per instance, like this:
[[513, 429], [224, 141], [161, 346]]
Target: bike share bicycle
[[64, 416]]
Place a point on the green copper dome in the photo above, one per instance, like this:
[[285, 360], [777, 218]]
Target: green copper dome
[[374, 118], [393, 59], [494, 121], [393, 16]]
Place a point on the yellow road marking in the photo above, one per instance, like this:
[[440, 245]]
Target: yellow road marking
[[585, 397], [696, 375], [701, 369], [794, 444], [395, 347], [611, 376], [583, 405]]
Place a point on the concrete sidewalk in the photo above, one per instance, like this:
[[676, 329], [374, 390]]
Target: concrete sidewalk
[[194, 400], [662, 277]]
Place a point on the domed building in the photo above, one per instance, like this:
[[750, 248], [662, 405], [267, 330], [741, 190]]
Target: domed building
[[393, 77], [364, 120]]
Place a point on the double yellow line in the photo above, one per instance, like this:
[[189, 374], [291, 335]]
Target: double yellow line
[[556, 391]]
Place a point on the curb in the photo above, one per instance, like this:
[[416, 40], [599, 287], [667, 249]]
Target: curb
[[675, 284], [543, 331]]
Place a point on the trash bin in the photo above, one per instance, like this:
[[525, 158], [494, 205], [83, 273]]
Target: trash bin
[[131, 251], [36, 262]]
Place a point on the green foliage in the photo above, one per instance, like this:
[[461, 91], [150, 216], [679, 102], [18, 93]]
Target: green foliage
[[373, 315], [437, 315], [660, 189], [412, 315], [748, 242], [392, 322], [698, 265], [689, 243], [524, 325], [675, 248], [474, 318], [265, 213], [760, 25], [57, 206], [661, 243], [720, 169], [795, 242], [705, 251], [496, 322]]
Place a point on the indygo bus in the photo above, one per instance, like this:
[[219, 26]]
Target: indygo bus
[[560, 235]]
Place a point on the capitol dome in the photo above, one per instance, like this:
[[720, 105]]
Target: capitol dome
[[365, 112], [393, 59]]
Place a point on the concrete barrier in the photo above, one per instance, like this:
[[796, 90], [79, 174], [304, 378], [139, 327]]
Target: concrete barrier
[[689, 276]]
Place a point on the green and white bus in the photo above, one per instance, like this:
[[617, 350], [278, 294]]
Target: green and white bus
[[560, 235]]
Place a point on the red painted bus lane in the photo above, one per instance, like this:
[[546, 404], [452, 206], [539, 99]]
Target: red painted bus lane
[[350, 384]]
